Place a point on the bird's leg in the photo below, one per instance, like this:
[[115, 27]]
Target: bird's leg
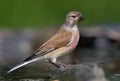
[[58, 64], [54, 71], [54, 64], [61, 64], [59, 67]]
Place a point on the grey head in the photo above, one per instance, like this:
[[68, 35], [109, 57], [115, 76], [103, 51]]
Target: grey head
[[73, 18]]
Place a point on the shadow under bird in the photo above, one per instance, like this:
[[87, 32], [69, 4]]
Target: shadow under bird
[[65, 40]]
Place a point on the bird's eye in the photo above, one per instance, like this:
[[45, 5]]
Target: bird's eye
[[73, 16]]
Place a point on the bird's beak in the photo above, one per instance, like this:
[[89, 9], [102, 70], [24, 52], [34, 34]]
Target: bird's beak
[[81, 18]]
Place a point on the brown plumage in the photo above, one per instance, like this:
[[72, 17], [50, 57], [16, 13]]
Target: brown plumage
[[60, 39], [64, 41]]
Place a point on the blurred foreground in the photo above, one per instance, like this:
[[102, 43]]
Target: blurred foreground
[[99, 45]]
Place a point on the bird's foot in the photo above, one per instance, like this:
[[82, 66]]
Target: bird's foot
[[60, 66]]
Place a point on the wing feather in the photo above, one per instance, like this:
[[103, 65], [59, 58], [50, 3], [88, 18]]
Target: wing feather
[[60, 39]]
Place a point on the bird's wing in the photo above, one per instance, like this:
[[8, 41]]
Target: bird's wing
[[60, 39]]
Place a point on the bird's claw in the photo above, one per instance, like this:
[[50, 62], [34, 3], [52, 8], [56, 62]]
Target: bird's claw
[[61, 68], [58, 70]]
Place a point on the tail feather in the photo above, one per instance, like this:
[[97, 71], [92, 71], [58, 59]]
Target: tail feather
[[30, 57], [24, 63]]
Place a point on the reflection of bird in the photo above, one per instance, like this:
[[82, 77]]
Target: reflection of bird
[[65, 40]]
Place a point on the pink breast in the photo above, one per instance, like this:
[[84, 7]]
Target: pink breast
[[75, 42]]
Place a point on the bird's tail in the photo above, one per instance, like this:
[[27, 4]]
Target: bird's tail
[[25, 63]]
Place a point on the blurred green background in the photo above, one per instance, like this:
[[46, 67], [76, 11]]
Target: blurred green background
[[43, 13]]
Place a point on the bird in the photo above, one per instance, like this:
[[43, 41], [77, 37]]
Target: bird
[[64, 41]]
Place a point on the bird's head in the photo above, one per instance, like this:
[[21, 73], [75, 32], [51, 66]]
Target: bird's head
[[73, 18]]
